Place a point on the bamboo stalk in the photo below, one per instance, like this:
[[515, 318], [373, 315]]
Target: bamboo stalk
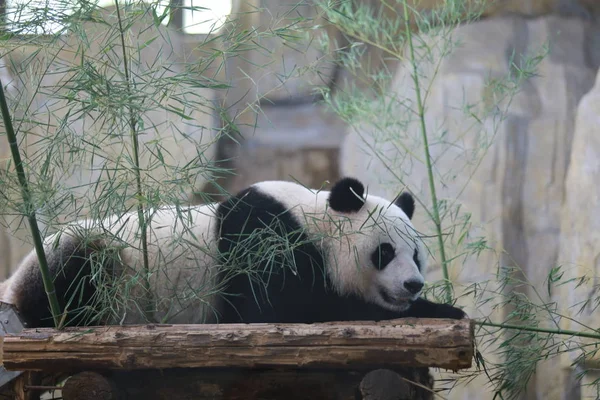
[[29, 209]]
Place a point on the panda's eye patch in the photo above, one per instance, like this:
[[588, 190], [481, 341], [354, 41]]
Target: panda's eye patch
[[383, 255], [416, 259]]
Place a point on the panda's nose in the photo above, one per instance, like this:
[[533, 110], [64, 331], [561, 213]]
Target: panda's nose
[[413, 286]]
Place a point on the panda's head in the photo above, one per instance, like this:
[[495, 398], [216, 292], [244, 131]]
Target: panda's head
[[380, 256]]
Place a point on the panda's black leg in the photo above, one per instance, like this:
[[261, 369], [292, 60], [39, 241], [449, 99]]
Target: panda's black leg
[[422, 308], [71, 270]]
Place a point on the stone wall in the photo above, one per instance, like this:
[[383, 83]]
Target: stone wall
[[579, 253], [282, 74], [530, 8], [509, 173]]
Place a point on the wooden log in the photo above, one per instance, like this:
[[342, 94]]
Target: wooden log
[[357, 345], [20, 386], [89, 385], [254, 384], [229, 384], [408, 383]]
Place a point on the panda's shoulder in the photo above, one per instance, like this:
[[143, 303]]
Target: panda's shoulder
[[267, 201], [283, 191], [271, 197], [275, 195]]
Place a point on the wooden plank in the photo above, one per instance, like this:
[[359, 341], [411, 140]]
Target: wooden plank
[[354, 345]]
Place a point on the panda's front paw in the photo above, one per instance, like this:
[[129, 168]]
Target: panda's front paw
[[451, 312], [422, 308]]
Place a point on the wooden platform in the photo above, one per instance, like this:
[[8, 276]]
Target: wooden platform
[[235, 361]]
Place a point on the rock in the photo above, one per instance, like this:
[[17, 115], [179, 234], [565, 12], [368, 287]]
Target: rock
[[285, 68], [506, 173], [531, 8], [579, 255]]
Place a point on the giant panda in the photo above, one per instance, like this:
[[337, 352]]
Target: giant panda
[[275, 252]]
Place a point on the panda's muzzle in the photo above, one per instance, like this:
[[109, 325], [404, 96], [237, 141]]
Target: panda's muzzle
[[394, 300], [412, 288], [385, 296]]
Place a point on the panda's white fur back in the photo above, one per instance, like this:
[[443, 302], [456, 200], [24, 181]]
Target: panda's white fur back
[[181, 248]]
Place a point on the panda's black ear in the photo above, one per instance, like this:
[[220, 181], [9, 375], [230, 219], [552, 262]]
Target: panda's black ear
[[407, 203], [347, 195]]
